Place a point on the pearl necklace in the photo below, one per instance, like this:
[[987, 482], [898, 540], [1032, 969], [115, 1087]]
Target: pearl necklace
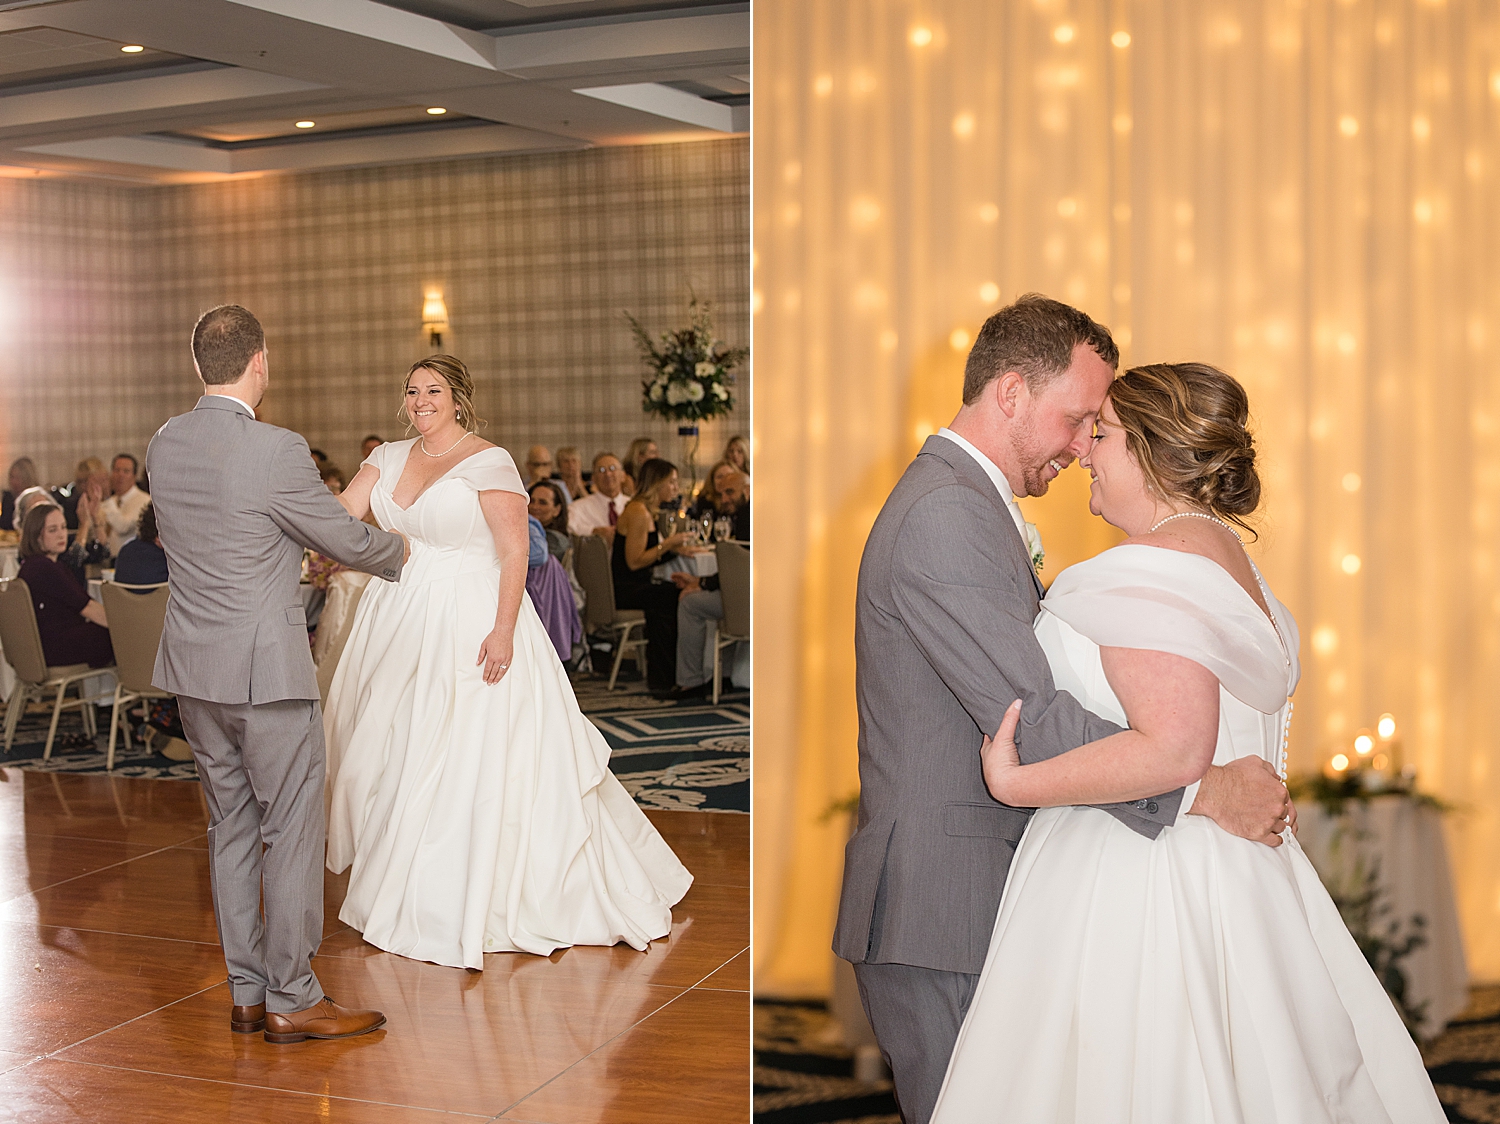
[[1199, 515], [422, 444]]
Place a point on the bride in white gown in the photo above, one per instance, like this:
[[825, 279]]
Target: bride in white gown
[[471, 797], [1197, 977]]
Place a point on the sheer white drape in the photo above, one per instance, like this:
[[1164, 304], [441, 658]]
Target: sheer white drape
[[1304, 193]]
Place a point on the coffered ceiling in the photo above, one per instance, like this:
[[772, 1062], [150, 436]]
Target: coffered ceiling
[[171, 91]]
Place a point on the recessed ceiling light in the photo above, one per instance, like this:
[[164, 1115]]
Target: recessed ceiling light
[[306, 124], [436, 110], [132, 48]]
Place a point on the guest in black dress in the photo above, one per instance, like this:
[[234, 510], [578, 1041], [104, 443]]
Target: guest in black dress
[[73, 628], [142, 560], [638, 547]]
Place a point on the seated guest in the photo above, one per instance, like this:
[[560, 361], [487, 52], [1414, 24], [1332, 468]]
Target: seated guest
[[333, 478], [22, 476], [708, 495], [538, 464], [549, 510], [737, 453], [371, 442], [641, 450], [89, 487], [701, 601], [142, 561], [536, 542], [120, 511], [28, 499], [637, 548], [550, 590], [570, 471], [73, 628], [597, 512], [82, 553]]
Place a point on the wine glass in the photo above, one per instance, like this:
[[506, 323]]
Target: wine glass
[[706, 528], [723, 529]]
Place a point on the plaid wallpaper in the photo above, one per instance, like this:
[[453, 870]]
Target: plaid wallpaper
[[536, 256]]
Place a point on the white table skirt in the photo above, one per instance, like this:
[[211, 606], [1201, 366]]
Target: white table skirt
[[1406, 839]]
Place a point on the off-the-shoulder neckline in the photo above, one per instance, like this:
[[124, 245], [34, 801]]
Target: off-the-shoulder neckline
[[1268, 614], [410, 444]]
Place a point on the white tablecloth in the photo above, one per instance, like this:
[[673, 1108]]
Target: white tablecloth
[[700, 564], [1406, 839]]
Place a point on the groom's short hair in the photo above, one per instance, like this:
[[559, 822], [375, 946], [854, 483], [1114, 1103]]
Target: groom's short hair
[[225, 339], [1034, 337]]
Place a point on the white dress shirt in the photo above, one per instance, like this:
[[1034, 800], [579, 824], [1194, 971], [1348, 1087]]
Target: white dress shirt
[[998, 478], [119, 514], [590, 511]]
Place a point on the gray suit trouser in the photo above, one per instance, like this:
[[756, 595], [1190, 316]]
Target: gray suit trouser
[[262, 766], [696, 613], [916, 1014]]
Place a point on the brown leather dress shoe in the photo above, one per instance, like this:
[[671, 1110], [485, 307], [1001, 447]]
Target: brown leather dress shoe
[[248, 1020], [325, 1020]]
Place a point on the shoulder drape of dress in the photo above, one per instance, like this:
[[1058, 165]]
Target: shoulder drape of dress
[[1148, 597]]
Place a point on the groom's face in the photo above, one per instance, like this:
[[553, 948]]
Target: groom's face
[[1056, 423]]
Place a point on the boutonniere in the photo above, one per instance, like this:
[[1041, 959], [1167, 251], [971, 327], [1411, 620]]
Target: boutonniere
[[1034, 546]]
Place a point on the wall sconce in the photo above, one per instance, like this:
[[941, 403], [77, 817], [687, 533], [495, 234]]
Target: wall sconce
[[434, 317]]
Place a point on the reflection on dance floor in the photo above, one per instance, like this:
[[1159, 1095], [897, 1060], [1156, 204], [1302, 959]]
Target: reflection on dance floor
[[113, 1002]]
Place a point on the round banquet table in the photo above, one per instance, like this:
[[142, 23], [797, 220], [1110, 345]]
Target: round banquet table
[[1405, 837]]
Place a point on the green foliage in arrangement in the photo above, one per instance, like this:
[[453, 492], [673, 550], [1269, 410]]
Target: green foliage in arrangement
[[690, 372]]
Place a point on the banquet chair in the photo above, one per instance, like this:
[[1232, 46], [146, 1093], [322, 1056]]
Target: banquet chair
[[22, 644], [598, 584], [135, 613], [734, 590]]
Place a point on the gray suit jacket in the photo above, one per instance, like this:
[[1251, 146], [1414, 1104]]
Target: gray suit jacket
[[943, 644], [236, 501]]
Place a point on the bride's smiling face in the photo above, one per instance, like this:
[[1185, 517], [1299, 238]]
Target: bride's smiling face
[[1119, 485], [429, 402]]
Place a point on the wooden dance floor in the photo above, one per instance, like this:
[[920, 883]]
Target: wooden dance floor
[[114, 1003]]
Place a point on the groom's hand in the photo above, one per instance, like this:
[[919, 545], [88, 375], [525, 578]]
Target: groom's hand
[[1246, 798]]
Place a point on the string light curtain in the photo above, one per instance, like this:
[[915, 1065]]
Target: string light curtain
[[1302, 192]]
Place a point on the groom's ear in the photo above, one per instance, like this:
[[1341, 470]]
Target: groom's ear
[[1010, 392]]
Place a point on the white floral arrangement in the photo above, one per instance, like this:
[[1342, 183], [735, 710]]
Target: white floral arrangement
[[691, 372]]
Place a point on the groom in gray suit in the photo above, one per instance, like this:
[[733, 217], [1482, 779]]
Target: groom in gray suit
[[943, 645], [236, 500]]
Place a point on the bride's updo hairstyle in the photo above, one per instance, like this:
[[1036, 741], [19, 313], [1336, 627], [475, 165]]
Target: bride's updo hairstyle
[[1185, 424], [452, 371]]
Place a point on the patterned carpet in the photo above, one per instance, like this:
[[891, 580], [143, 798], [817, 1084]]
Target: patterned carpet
[[803, 1073], [686, 755]]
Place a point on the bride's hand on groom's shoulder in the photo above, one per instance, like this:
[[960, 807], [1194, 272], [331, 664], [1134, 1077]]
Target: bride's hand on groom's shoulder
[[999, 756], [1246, 798]]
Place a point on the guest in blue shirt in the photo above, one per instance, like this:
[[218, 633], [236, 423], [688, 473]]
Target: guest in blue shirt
[[142, 561]]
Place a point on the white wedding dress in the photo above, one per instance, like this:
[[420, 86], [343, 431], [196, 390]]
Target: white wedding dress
[[476, 818], [1195, 979]]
